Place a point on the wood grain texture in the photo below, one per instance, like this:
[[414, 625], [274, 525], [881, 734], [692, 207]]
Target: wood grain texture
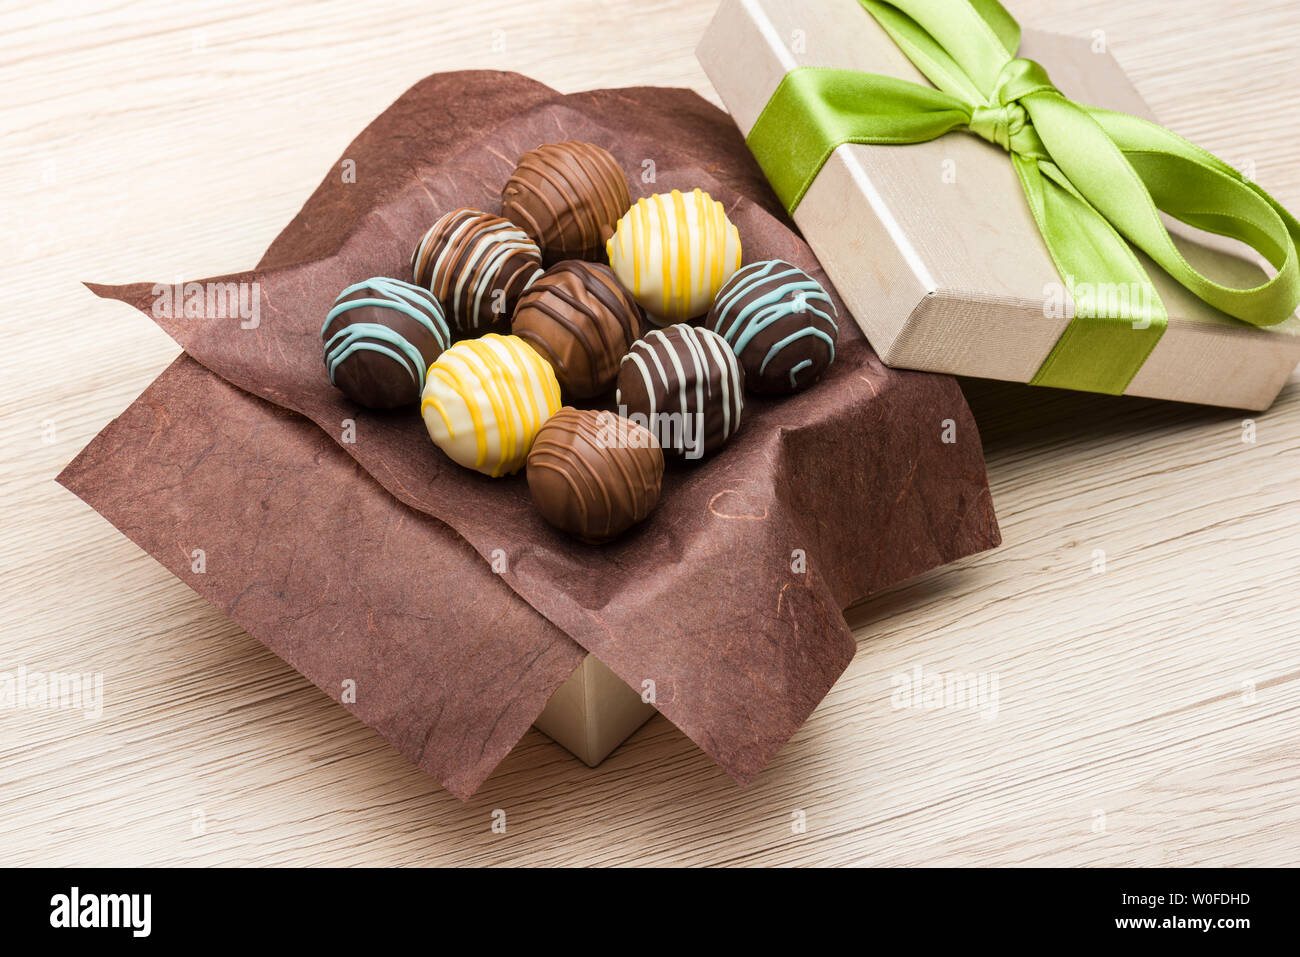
[[1146, 714]]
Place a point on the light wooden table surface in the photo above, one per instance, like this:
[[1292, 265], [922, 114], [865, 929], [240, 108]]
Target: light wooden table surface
[[1147, 714]]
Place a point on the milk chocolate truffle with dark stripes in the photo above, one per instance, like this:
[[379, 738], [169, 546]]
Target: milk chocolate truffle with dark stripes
[[581, 321], [478, 265], [594, 474], [685, 385], [568, 198]]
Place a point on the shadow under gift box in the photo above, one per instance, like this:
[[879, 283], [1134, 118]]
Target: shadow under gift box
[[933, 245]]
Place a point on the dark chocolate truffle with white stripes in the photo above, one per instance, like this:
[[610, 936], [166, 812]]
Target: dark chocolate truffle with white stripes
[[478, 265], [380, 337], [684, 384], [781, 324]]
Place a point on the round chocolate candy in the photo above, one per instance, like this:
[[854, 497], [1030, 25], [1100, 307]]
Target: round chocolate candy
[[581, 321], [380, 338], [674, 251], [567, 197], [594, 474], [781, 324], [685, 385], [485, 400], [478, 265]]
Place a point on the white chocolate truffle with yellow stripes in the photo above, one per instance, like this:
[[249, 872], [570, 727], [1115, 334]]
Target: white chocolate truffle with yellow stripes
[[674, 251], [485, 401]]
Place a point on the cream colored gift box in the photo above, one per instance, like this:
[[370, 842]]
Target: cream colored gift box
[[593, 712], [933, 245]]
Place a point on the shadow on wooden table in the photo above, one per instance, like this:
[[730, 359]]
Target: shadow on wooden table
[[1030, 435], [1013, 417]]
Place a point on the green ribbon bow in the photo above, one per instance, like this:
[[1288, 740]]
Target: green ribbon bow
[[1094, 178]]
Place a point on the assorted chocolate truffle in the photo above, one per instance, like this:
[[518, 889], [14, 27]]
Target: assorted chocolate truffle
[[567, 197], [684, 384], [781, 324], [594, 474], [380, 338], [582, 321], [674, 251], [486, 399], [478, 265], [492, 402]]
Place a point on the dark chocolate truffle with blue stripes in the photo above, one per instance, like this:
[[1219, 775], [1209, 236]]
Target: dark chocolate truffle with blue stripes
[[380, 337], [780, 322]]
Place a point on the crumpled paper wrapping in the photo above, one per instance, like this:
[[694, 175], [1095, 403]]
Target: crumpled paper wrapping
[[352, 552]]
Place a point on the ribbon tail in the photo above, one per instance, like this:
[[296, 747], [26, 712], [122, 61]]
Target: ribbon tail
[[1199, 189], [1116, 315], [1130, 179], [816, 109]]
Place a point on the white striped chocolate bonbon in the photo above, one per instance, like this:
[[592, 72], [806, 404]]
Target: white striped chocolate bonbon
[[478, 265], [684, 384]]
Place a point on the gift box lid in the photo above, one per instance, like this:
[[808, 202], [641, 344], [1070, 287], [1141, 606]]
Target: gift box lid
[[933, 244]]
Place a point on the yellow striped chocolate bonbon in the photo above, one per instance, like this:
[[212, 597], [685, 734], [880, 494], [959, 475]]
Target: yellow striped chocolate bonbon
[[485, 401], [674, 251]]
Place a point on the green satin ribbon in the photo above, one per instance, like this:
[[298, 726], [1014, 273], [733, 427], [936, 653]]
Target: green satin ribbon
[[1094, 178]]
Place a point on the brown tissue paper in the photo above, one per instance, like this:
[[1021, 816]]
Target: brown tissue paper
[[373, 559]]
